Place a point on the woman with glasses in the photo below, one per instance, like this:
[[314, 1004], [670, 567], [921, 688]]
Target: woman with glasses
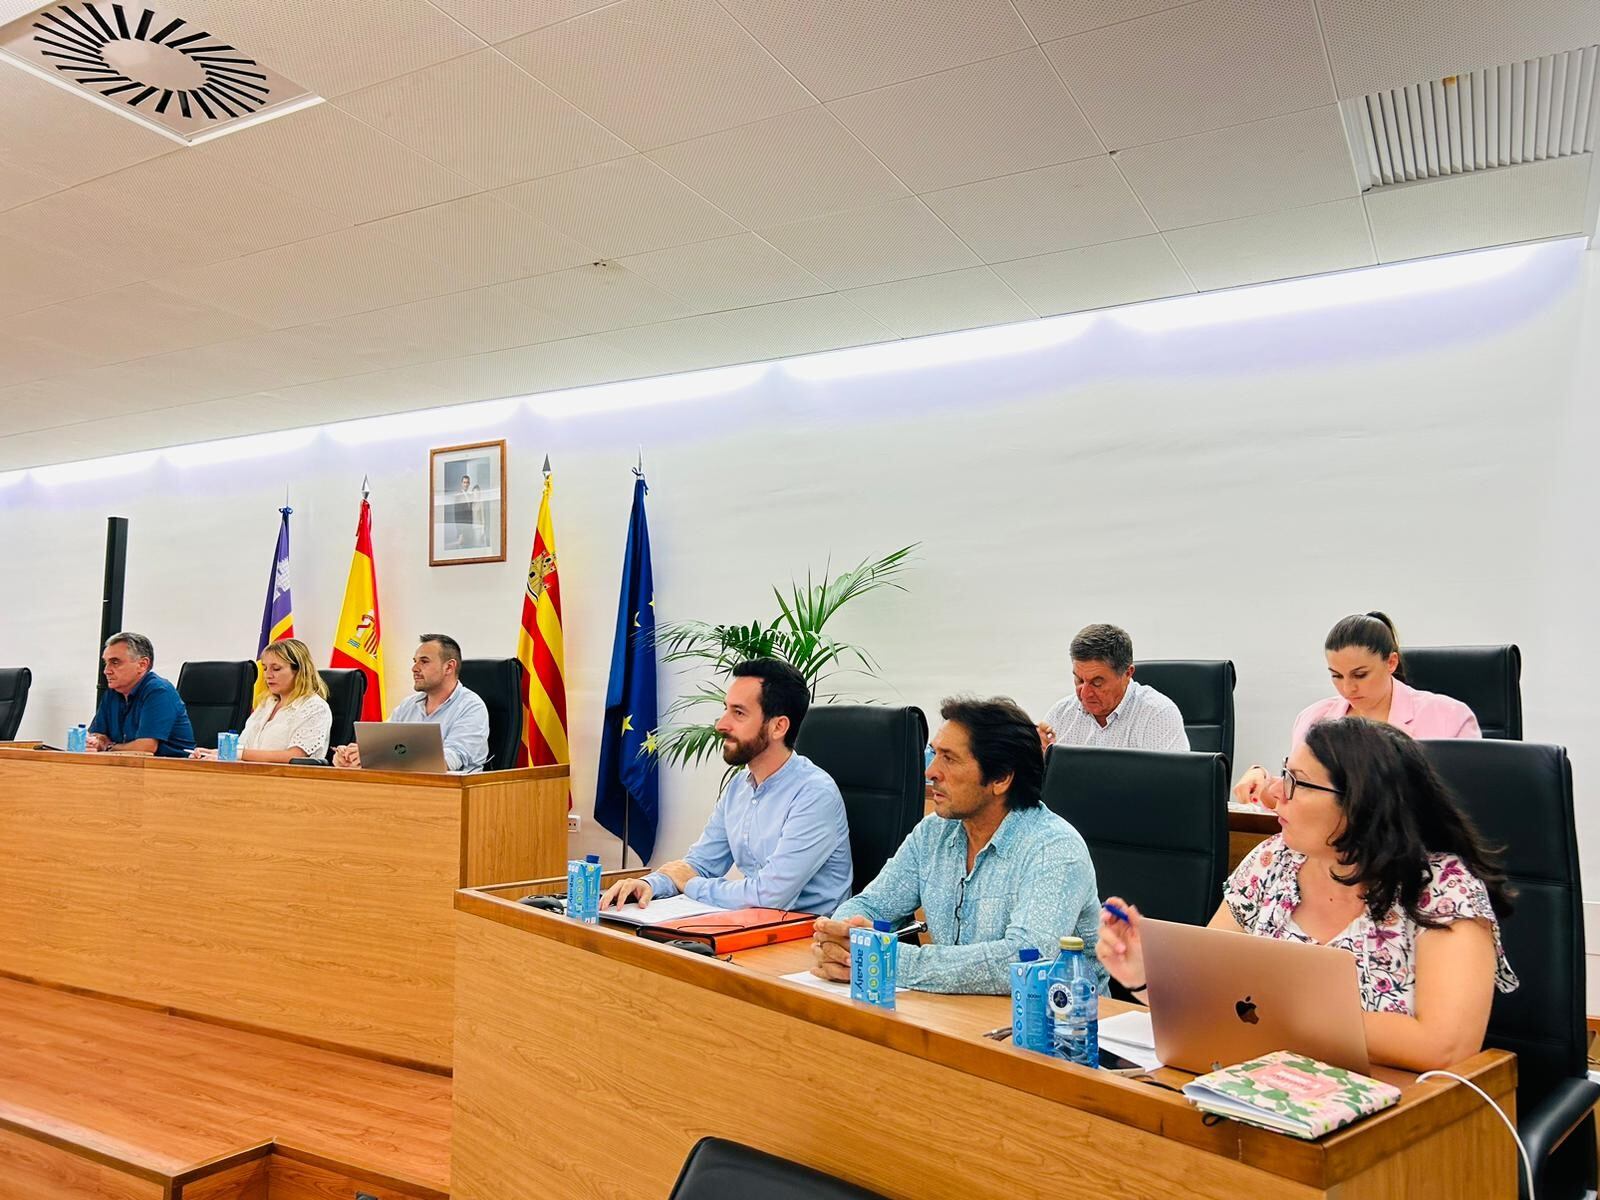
[[1369, 677], [1374, 857]]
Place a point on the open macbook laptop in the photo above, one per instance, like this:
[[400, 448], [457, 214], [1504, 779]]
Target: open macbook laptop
[[1218, 997], [400, 746]]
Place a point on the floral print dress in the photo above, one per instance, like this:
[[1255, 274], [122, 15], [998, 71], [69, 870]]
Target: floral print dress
[[1264, 892]]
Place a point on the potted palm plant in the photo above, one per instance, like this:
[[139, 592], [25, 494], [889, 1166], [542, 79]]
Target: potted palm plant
[[798, 634]]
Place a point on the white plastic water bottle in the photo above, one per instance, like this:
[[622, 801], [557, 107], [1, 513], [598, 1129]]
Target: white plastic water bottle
[[1073, 997]]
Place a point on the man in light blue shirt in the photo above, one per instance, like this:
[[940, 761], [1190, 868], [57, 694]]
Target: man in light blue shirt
[[440, 698], [780, 821], [992, 868]]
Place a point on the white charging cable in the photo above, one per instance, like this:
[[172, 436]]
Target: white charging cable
[[1527, 1166]]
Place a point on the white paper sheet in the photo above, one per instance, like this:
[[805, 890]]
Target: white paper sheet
[[669, 909], [824, 985], [1130, 1035]]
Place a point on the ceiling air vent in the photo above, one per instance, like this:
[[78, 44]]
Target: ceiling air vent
[[150, 65], [1476, 121]]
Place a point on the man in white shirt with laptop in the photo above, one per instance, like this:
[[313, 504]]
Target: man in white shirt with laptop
[[440, 698]]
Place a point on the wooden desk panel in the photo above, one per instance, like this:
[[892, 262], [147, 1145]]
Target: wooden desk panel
[[314, 903], [858, 1092]]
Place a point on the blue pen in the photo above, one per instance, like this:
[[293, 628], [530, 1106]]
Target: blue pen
[[1117, 911]]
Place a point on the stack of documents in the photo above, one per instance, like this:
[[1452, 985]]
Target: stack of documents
[[669, 909], [1129, 1035]]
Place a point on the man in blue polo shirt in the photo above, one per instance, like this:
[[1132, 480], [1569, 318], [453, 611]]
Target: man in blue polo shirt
[[141, 711]]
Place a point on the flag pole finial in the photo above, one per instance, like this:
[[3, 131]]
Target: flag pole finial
[[638, 468], [365, 490], [547, 466]]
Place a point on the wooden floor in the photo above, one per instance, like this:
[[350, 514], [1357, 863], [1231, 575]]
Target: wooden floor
[[166, 1094]]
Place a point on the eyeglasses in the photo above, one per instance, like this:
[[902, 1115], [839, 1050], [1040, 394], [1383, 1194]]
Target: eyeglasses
[[961, 895], [1290, 783]]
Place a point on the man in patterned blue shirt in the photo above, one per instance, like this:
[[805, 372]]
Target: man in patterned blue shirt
[[993, 868]]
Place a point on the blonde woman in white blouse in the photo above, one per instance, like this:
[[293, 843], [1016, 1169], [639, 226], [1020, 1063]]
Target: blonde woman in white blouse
[[293, 720]]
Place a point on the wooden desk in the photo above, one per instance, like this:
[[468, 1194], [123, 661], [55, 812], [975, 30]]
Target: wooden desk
[[557, 1082], [308, 902]]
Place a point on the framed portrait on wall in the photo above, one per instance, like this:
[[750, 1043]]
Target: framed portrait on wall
[[467, 504]]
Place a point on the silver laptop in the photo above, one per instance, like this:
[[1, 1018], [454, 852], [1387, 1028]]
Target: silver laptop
[[1218, 997], [400, 746]]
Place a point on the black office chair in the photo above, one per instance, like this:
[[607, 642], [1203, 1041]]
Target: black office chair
[[1156, 823], [1202, 688], [14, 685], [1487, 679], [718, 1169], [1519, 795], [875, 755], [347, 689], [498, 682], [218, 695]]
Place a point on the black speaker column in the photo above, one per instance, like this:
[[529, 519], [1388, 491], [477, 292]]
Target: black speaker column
[[111, 596]]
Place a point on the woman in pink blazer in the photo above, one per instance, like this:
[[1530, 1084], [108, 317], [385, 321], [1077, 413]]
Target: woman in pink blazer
[[1370, 678]]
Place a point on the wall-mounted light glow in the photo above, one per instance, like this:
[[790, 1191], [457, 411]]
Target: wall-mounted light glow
[[644, 393], [88, 469], [1365, 285], [423, 422], [11, 478], [227, 450], [940, 350]]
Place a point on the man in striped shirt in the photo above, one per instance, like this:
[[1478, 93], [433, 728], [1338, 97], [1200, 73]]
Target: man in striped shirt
[[1107, 708]]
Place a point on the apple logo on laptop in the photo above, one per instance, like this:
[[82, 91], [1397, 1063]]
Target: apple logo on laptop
[[1246, 1009]]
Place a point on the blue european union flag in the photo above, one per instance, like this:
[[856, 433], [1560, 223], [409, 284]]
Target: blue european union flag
[[627, 796]]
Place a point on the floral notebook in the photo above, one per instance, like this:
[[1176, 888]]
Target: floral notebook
[[1290, 1093]]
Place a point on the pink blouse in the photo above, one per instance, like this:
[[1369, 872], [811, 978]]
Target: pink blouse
[[1264, 891], [1421, 714]]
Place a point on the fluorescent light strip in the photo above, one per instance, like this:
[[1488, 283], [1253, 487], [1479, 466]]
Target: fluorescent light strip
[[1364, 285], [88, 469], [645, 393], [228, 450], [940, 350], [423, 422]]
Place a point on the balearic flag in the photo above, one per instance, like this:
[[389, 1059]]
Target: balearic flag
[[277, 618], [539, 649], [358, 639], [627, 794]]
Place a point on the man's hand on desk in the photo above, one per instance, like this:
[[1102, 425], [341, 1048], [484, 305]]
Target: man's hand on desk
[[830, 946], [98, 741], [679, 872], [625, 891], [347, 756]]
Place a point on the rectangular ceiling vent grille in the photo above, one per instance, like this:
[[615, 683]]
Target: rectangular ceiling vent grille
[[1475, 121]]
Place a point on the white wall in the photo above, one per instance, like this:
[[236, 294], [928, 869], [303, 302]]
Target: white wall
[[1426, 446]]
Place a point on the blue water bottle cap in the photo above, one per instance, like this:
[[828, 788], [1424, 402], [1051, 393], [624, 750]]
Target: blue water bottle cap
[[1028, 954], [594, 858], [883, 926]]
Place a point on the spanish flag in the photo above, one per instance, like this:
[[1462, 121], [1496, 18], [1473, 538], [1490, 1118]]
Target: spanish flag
[[277, 618], [358, 639], [544, 690]]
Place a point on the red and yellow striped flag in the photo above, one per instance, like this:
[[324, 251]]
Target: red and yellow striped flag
[[358, 638], [539, 648]]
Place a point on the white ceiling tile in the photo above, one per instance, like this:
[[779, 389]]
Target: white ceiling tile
[[128, 322], [941, 303], [486, 120], [783, 169], [1378, 44], [1203, 66], [1051, 19], [336, 46], [1097, 276], [351, 271], [625, 206], [800, 327], [839, 47], [1018, 216], [190, 200], [26, 358], [108, 236], [995, 117], [50, 132], [731, 272], [1282, 162], [525, 370], [484, 240], [324, 156], [687, 344], [1280, 245], [18, 186], [596, 298], [898, 240], [354, 396], [1485, 208], [660, 71], [34, 275], [500, 20]]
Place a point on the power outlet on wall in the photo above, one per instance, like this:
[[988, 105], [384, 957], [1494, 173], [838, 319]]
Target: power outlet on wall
[[574, 822]]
